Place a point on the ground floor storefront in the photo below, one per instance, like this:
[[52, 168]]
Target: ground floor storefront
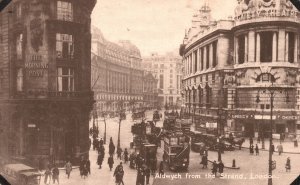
[[285, 124], [41, 132]]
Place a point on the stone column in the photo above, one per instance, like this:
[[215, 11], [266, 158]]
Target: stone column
[[296, 49], [251, 51], [257, 47], [211, 55], [236, 43], [193, 62], [246, 49], [199, 59], [286, 56], [274, 47], [281, 45], [204, 58]]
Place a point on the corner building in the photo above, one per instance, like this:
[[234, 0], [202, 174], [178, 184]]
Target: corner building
[[45, 64], [231, 67], [117, 76]]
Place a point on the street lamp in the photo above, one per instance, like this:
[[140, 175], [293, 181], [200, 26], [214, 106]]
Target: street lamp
[[272, 93]]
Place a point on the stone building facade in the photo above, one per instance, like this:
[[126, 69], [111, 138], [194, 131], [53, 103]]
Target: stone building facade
[[233, 66], [45, 101], [117, 76], [167, 69]]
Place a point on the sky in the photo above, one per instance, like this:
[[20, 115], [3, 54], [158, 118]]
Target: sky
[[152, 25]]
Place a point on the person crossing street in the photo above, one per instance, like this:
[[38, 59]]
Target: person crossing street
[[110, 162]]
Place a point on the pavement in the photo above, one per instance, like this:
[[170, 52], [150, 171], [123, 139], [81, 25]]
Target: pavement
[[288, 146], [104, 176]]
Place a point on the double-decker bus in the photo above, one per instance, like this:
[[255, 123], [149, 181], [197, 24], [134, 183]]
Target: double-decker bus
[[176, 151]]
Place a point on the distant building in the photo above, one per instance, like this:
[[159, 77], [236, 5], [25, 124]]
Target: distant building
[[231, 67], [117, 76], [150, 94], [167, 69], [45, 94]]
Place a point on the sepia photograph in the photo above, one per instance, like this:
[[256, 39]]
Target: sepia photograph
[[149, 92]]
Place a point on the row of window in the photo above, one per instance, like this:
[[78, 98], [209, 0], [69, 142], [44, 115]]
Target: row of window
[[64, 46], [64, 10], [201, 59], [267, 47], [65, 79], [191, 95]]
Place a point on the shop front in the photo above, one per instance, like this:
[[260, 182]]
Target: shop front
[[253, 124]]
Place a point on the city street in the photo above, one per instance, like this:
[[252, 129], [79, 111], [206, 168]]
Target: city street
[[253, 169], [104, 176]]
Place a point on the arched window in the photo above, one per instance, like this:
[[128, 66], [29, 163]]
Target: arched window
[[265, 77]]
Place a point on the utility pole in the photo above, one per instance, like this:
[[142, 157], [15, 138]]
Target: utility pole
[[271, 140]]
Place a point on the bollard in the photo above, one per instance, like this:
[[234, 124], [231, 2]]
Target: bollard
[[233, 163]]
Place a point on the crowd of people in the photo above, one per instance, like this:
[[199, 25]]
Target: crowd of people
[[135, 162], [52, 172]]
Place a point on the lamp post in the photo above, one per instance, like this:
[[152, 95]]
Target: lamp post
[[104, 119], [272, 93]]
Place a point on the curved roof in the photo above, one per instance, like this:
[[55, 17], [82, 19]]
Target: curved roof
[[131, 48]]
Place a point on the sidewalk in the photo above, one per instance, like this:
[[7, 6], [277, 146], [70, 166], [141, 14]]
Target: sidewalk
[[98, 176], [288, 146]]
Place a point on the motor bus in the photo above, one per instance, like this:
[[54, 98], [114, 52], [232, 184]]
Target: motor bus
[[176, 151]]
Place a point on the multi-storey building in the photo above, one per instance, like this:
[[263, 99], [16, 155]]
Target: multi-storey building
[[232, 69], [150, 95], [45, 63], [117, 76], [167, 69]]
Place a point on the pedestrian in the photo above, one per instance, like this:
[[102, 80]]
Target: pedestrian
[[279, 148], [147, 174], [153, 165], [101, 142], [251, 141], [119, 153], [161, 168], [258, 139], [47, 175], [214, 168], [251, 149], [132, 160], [100, 160], [125, 155], [140, 177], [288, 165], [256, 150], [88, 166], [81, 166], [111, 147], [118, 174], [221, 168], [55, 174], [90, 143], [110, 162], [206, 152], [85, 170], [138, 160], [295, 142], [204, 161], [95, 143], [68, 168]]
